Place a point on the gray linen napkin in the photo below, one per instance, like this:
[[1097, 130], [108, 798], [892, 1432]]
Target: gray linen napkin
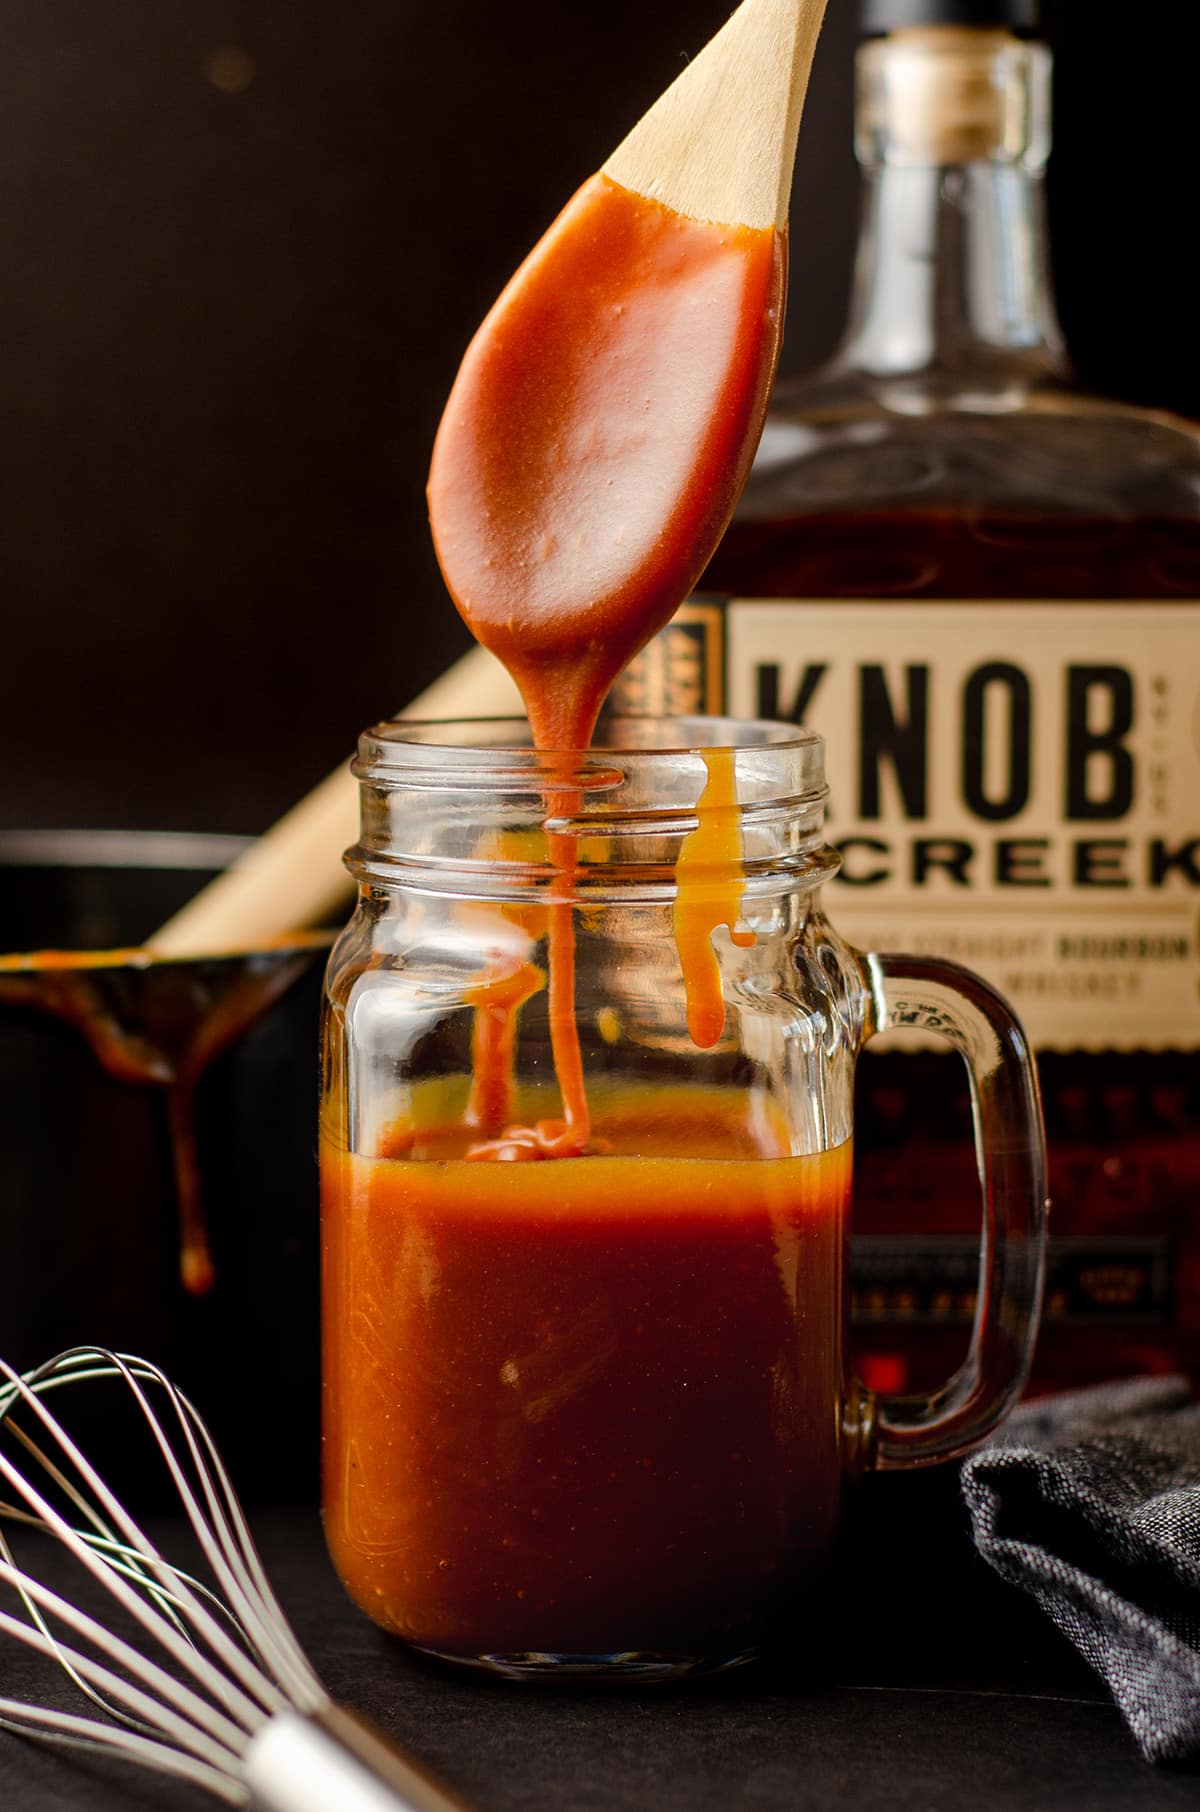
[[1091, 1502]]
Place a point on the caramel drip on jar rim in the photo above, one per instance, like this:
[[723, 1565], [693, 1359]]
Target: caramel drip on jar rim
[[710, 880]]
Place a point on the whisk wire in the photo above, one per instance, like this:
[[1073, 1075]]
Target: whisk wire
[[250, 1624], [227, 1543], [103, 1538], [106, 1543], [236, 1709], [229, 1547], [68, 1731], [66, 1485], [125, 1561], [34, 1613], [213, 1737], [183, 1651]]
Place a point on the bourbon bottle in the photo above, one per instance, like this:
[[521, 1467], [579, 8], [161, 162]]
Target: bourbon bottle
[[983, 586]]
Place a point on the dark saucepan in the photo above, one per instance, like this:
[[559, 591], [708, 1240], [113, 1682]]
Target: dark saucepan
[[88, 1156]]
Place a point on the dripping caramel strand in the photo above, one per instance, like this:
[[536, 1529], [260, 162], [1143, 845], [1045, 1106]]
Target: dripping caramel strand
[[588, 460], [710, 881]]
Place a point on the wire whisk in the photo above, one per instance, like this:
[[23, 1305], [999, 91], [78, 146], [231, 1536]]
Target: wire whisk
[[222, 1695]]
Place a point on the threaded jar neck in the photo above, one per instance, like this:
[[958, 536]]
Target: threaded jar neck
[[471, 808]]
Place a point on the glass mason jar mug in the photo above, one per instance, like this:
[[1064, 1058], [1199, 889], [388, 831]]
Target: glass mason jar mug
[[595, 1412]]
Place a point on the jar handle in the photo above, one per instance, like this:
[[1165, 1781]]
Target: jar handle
[[940, 997]]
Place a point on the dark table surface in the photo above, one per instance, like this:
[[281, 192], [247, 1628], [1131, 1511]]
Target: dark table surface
[[933, 1687]]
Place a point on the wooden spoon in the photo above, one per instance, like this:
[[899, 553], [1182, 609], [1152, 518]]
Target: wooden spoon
[[603, 422], [717, 147], [721, 142]]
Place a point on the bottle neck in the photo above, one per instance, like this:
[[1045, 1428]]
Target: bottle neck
[[952, 279]]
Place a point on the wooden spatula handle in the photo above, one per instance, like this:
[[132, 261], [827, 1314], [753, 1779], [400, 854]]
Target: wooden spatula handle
[[292, 877]]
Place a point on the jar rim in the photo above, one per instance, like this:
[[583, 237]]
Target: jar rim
[[470, 803], [504, 746]]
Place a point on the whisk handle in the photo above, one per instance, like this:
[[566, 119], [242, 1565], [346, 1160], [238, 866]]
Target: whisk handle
[[301, 1762]]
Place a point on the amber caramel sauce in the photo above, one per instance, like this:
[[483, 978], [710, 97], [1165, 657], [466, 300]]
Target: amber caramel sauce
[[587, 1406], [593, 446], [594, 1405], [597, 437], [708, 876], [161, 1022]]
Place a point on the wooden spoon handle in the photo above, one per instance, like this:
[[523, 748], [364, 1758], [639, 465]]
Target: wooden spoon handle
[[720, 143], [292, 877]]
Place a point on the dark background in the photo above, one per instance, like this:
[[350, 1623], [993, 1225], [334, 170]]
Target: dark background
[[242, 246]]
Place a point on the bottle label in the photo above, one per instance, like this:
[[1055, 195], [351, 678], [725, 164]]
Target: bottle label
[[932, 1280], [1013, 785]]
